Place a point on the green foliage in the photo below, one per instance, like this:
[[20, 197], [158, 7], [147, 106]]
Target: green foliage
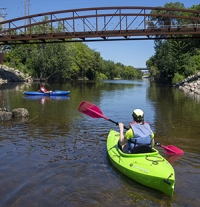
[[163, 20], [130, 73], [65, 61], [101, 76], [174, 59], [177, 78]]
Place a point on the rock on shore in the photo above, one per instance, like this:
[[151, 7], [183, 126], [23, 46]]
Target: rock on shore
[[12, 75], [190, 84]]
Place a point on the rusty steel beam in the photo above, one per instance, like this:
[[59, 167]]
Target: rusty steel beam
[[100, 24]]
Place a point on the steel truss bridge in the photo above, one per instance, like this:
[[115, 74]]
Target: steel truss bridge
[[101, 24]]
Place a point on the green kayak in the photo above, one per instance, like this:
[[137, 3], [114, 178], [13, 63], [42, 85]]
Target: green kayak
[[149, 169]]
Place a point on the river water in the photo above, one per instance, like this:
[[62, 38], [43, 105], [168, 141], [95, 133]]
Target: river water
[[57, 156]]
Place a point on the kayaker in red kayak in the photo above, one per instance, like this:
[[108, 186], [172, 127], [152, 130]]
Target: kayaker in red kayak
[[43, 89], [139, 138]]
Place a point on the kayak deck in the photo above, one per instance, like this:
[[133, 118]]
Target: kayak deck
[[149, 169]]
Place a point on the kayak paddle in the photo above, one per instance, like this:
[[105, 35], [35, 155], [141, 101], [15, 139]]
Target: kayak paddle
[[95, 112], [171, 149]]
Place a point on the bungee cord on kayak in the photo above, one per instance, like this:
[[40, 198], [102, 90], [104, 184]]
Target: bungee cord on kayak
[[154, 162]]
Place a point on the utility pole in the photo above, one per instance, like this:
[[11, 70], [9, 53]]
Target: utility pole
[[28, 7], [26, 3], [2, 17], [2, 48], [24, 11], [29, 10]]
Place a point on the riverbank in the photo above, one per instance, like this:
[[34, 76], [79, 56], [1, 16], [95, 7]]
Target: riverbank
[[13, 75], [190, 84]]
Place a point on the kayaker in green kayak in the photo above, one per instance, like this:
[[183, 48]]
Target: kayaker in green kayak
[[139, 138]]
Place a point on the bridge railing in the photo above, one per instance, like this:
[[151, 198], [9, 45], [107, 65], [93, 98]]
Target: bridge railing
[[103, 22], [175, 26]]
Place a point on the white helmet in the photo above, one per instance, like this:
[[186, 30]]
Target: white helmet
[[138, 115]]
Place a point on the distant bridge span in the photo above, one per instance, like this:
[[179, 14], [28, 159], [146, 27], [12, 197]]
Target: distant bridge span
[[101, 24], [142, 68]]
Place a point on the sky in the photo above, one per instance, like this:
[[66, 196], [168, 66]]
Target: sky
[[131, 52]]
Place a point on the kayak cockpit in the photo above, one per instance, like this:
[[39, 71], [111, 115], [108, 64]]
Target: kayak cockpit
[[152, 153]]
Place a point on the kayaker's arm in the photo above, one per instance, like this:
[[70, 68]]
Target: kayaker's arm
[[122, 139]]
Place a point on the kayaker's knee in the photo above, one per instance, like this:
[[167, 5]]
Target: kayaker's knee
[[123, 148]]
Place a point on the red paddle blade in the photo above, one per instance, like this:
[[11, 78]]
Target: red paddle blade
[[91, 110], [171, 150]]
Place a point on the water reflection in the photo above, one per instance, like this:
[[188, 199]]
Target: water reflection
[[191, 95], [173, 158], [44, 99]]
